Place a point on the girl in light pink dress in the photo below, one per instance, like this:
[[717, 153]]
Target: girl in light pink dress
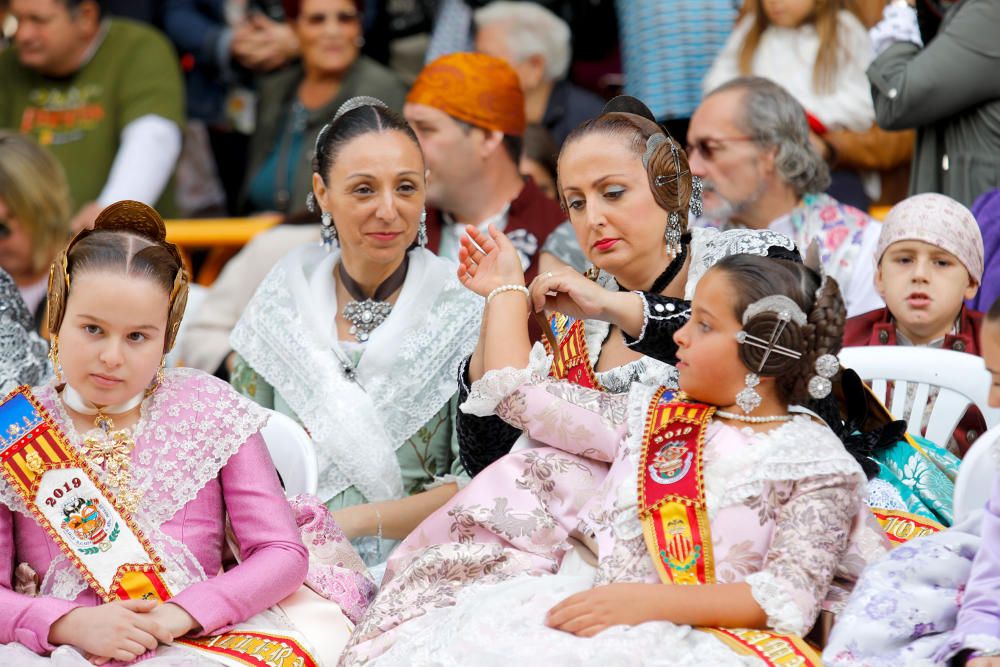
[[784, 518]]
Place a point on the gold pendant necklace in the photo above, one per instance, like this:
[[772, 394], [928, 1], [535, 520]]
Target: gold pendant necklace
[[112, 451]]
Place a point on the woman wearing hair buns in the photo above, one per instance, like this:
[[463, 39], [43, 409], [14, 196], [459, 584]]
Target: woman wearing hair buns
[[121, 479], [359, 338]]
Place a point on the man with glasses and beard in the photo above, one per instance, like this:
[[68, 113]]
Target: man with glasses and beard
[[749, 142]]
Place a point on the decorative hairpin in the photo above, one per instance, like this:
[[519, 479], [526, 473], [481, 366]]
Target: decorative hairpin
[[788, 311]]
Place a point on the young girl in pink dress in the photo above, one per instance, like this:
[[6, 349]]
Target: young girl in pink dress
[[751, 510], [176, 457]]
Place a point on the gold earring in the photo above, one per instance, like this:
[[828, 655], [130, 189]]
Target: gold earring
[[54, 358], [157, 379]]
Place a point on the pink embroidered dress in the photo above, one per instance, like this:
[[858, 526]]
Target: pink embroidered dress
[[198, 459], [785, 508]]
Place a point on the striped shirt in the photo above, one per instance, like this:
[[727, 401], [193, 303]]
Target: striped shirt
[[667, 48]]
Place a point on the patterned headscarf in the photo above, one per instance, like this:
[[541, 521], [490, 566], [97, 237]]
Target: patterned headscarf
[[475, 88], [940, 221]]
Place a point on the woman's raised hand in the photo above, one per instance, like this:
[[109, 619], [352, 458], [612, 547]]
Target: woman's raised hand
[[569, 292], [487, 262]]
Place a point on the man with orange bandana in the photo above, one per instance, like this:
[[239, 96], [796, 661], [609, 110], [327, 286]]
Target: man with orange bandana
[[468, 112]]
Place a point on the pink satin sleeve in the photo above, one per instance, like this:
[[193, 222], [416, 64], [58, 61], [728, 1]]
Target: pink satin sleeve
[[274, 560], [24, 619]]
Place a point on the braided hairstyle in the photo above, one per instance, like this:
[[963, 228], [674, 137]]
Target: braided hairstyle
[[753, 278], [629, 119]]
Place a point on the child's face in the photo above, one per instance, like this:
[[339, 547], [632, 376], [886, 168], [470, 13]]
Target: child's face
[[990, 339], [111, 338], [923, 287], [788, 13], [709, 366]]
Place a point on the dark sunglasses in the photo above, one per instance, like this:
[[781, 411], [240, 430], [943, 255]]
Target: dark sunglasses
[[343, 18], [708, 147]]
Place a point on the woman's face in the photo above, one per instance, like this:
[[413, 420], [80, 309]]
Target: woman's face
[[111, 338], [375, 193], [15, 247], [789, 13], [709, 367], [329, 34], [618, 224], [990, 335]]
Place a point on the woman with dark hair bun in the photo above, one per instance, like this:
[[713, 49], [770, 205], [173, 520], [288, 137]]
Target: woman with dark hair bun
[[359, 338]]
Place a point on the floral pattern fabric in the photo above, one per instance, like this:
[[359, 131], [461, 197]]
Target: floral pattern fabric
[[785, 510]]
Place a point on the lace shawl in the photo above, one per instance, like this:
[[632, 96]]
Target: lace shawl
[[187, 431], [22, 351], [405, 376]]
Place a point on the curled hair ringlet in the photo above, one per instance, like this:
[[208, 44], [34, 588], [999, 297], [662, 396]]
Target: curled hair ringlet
[[670, 178], [753, 278], [130, 237]]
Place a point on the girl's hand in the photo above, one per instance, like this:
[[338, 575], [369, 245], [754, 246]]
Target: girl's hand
[[119, 630], [571, 294], [498, 263], [983, 662], [592, 611], [174, 619]]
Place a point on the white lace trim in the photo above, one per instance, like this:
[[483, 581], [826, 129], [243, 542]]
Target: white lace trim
[[783, 615], [405, 376], [187, 431], [798, 449], [494, 386], [883, 495]]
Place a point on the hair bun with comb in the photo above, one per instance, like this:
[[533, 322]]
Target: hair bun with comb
[[628, 104], [132, 216]]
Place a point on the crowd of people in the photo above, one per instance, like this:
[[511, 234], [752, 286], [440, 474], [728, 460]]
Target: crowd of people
[[566, 359]]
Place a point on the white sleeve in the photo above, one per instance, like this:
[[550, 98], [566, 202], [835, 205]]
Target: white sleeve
[[726, 66], [150, 146], [860, 295]]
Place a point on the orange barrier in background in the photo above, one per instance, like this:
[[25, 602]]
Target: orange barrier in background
[[223, 237]]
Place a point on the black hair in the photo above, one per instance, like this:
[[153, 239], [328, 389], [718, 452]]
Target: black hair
[[352, 124]]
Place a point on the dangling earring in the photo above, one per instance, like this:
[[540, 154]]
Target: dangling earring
[[329, 232], [157, 379], [748, 399], [697, 189], [673, 233], [422, 231], [54, 358]]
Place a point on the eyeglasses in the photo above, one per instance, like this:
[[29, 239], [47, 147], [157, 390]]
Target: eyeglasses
[[708, 147], [345, 17]]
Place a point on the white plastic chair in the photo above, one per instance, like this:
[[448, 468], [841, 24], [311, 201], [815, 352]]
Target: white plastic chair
[[975, 475], [962, 379], [293, 454]]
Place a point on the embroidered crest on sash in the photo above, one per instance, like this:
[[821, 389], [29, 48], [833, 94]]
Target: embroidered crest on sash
[[675, 522], [101, 540]]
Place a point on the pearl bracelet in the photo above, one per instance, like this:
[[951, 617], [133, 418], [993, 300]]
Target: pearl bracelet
[[508, 288]]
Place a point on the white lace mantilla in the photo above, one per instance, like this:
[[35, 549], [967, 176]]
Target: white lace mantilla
[[187, 431], [405, 376]]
